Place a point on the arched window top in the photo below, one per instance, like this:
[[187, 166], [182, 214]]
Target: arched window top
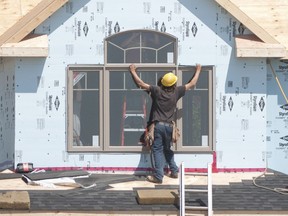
[[141, 46]]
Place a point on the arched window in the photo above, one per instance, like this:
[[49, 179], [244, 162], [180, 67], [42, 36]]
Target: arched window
[[141, 46], [107, 112]]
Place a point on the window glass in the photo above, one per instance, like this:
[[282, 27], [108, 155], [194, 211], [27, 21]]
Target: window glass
[[124, 110], [129, 107], [196, 112], [85, 109], [148, 56], [203, 81], [140, 47], [154, 40], [166, 54], [116, 55], [132, 55], [126, 40]]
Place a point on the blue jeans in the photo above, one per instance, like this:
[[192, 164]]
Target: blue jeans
[[161, 150]]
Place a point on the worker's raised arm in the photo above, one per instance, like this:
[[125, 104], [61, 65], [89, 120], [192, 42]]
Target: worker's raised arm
[[137, 79], [195, 78]]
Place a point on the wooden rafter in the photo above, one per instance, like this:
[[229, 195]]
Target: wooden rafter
[[30, 21], [246, 20], [266, 19]]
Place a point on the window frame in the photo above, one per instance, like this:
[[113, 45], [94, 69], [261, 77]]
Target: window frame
[[104, 109], [211, 108], [173, 39], [69, 83], [104, 100]]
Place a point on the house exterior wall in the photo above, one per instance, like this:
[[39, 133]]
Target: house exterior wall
[[206, 35], [277, 116]]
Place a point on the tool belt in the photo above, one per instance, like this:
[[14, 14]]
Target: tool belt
[[175, 130], [147, 137], [149, 134], [175, 133]]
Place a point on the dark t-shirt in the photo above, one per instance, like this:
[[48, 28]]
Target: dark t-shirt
[[164, 103]]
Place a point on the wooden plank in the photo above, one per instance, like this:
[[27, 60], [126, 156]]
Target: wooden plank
[[10, 7], [157, 196], [246, 20], [273, 20], [7, 21], [28, 5], [270, 15], [15, 200], [251, 46], [29, 22], [31, 46], [22, 22], [260, 2], [16, 9], [37, 20]]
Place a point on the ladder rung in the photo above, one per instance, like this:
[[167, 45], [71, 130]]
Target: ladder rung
[[208, 190], [196, 207], [197, 190]]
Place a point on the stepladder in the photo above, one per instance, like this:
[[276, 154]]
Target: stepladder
[[185, 191]]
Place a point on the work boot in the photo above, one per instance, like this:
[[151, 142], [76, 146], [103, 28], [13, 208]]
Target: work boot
[[173, 175], [153, 179]]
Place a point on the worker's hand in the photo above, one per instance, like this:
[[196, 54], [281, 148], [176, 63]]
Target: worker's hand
[[132, 68], [198, 67]]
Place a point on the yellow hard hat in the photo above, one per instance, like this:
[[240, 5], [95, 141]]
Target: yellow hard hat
[[169, 79]]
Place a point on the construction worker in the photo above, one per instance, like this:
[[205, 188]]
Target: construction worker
[[164, 99]]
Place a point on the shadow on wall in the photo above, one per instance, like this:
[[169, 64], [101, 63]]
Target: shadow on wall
[[63, 14], [29, 69]]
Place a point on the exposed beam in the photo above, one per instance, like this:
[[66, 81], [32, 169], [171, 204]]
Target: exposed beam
[[31, 46], [252, 46], [30, 21], [253, 26], [11, 11]]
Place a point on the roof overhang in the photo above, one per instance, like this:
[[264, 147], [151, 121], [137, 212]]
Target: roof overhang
[[20, 18], [267, 20], [30, 46], [252, 46]]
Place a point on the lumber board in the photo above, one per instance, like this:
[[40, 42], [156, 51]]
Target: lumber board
[[269, 17], [10, 7], [31, 46], [37, 20], [157, 196], [30, 21], [15, 200], [253, 26], [251, 46], [22, 22], [260, 2], [28, 5], [16, 9], [7, 21]]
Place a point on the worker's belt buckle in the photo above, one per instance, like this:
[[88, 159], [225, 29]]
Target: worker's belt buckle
[[165, 124]]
